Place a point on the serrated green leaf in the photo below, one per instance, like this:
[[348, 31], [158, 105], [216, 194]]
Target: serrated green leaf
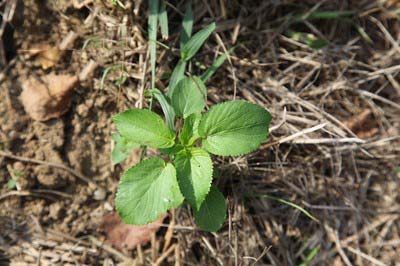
[[163, 20], [146, 191], [187, 25], [122, 148], [194, 170], [217, 63], [197, 40], [212, 212], [190, 129], [177, 75], [166, 107], [187, 98], [234, 128], [144, 127]]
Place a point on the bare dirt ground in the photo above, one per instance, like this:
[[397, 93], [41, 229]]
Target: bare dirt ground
[[333, 149]]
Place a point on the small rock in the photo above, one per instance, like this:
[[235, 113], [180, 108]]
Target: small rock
[[99, 194], [49, 177], [55, 210]]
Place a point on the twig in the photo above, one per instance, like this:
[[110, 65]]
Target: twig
[[333, 236], [109, 249], [22, 193], [366, 256], [164, 255], [56, 165]]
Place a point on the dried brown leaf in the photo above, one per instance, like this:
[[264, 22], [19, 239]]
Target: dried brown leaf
[[49, 97], [125, 235], [362, 124], [46, 55]]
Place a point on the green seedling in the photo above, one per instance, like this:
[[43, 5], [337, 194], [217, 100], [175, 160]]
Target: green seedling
[[120, 81], [187, 138], [153, 186], [309, 39], [12, 184], [117, 2]]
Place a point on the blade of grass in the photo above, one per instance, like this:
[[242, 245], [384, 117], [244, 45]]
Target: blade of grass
[[217, 63], [163, 20], [165, 106], [94, 39], [105, 73], [331, 14], [187, 25], [309, 39], [152, 21], [323, 15], [197, 40], [176, 76], [291, 204], [310, 256]]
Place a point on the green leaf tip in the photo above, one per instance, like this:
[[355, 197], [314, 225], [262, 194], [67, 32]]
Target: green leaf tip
[[196, 41], [234, 128]]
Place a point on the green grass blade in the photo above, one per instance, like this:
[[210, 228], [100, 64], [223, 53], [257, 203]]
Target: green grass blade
[[95, 39], [323, 15], [152, 21], [166, 107], [291, 204], [310, 256], [176, 76], [331, 14], [187, 24], [163, 20], [197, 40], [105, 74], [309, 39], [217, 63]]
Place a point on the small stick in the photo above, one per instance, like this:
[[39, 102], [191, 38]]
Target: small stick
[[56, 165], [110, 249], [164, 255]]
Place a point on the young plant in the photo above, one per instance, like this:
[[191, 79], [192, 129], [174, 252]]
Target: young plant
[[153, 186], [188, 136]]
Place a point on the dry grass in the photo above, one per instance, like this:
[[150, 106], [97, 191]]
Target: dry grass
[[334, 142]]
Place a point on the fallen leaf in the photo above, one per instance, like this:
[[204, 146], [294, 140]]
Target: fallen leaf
[[49, 97], [362, 124], [47, 55], [122, 235]]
